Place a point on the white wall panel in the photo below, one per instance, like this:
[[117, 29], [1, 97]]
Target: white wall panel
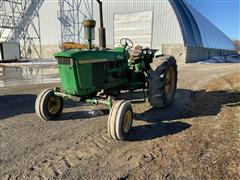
[[50, 25], [135, 26]]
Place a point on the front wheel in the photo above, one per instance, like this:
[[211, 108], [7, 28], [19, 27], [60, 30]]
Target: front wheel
[[48, 106], [120, 120]]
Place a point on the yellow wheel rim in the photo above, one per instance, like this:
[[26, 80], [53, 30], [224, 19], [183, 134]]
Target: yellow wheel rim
[[170, 82], [127, 120], [54, 105]]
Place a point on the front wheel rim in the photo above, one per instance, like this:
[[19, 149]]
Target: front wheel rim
[[127, 121], [54, 104]]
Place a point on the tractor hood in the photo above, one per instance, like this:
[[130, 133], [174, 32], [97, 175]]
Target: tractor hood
[[80, 55]]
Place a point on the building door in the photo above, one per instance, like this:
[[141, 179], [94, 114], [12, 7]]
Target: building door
[[135, 26]]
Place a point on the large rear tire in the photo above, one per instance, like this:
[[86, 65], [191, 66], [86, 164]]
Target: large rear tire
[[162, 81], [48, 106], [120, 120]]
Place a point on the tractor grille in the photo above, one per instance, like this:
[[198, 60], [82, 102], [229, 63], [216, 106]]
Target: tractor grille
[[98, 73]]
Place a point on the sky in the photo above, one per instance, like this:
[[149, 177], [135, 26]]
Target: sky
[[225, 14]]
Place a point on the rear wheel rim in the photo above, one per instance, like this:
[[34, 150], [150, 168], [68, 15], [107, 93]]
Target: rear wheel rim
[[170, 82], [54, 104], [127, 120]]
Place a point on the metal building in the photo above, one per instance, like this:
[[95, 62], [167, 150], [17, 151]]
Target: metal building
[[172, 26]]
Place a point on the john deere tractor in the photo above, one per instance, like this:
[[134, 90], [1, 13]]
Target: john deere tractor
[[100, 75]]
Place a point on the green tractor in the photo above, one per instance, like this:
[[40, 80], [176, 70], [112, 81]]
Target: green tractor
[[100, 75]]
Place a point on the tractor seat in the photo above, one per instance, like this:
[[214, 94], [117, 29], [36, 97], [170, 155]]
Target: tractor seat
[[136, 53]]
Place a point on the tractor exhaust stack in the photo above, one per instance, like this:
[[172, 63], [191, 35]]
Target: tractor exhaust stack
[[102, 32]]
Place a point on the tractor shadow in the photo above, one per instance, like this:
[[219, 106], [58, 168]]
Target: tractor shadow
[[187, 104], [81, 111], [14, 105], [156, 130], [83, 114]]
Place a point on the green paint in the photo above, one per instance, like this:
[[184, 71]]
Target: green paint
[[85, 72], [108, 102], [84, 75], [69, 79]]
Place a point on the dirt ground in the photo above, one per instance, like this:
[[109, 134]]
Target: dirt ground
[[198, 137]]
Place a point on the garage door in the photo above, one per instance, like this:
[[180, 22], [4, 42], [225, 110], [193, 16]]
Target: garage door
[[135, 26]]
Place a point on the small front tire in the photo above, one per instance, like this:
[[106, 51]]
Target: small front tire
[[48, 106], [120, 120]]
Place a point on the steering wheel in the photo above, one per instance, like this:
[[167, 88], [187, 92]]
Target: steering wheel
[[126, 43]]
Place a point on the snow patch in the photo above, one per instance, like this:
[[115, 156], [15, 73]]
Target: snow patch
[[222, 59]]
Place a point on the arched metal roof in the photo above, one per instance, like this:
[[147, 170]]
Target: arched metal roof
[[197, 30]]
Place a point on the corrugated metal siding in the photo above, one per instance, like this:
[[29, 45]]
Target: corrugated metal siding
[[50, 25], [212, 37], [165, 27]]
